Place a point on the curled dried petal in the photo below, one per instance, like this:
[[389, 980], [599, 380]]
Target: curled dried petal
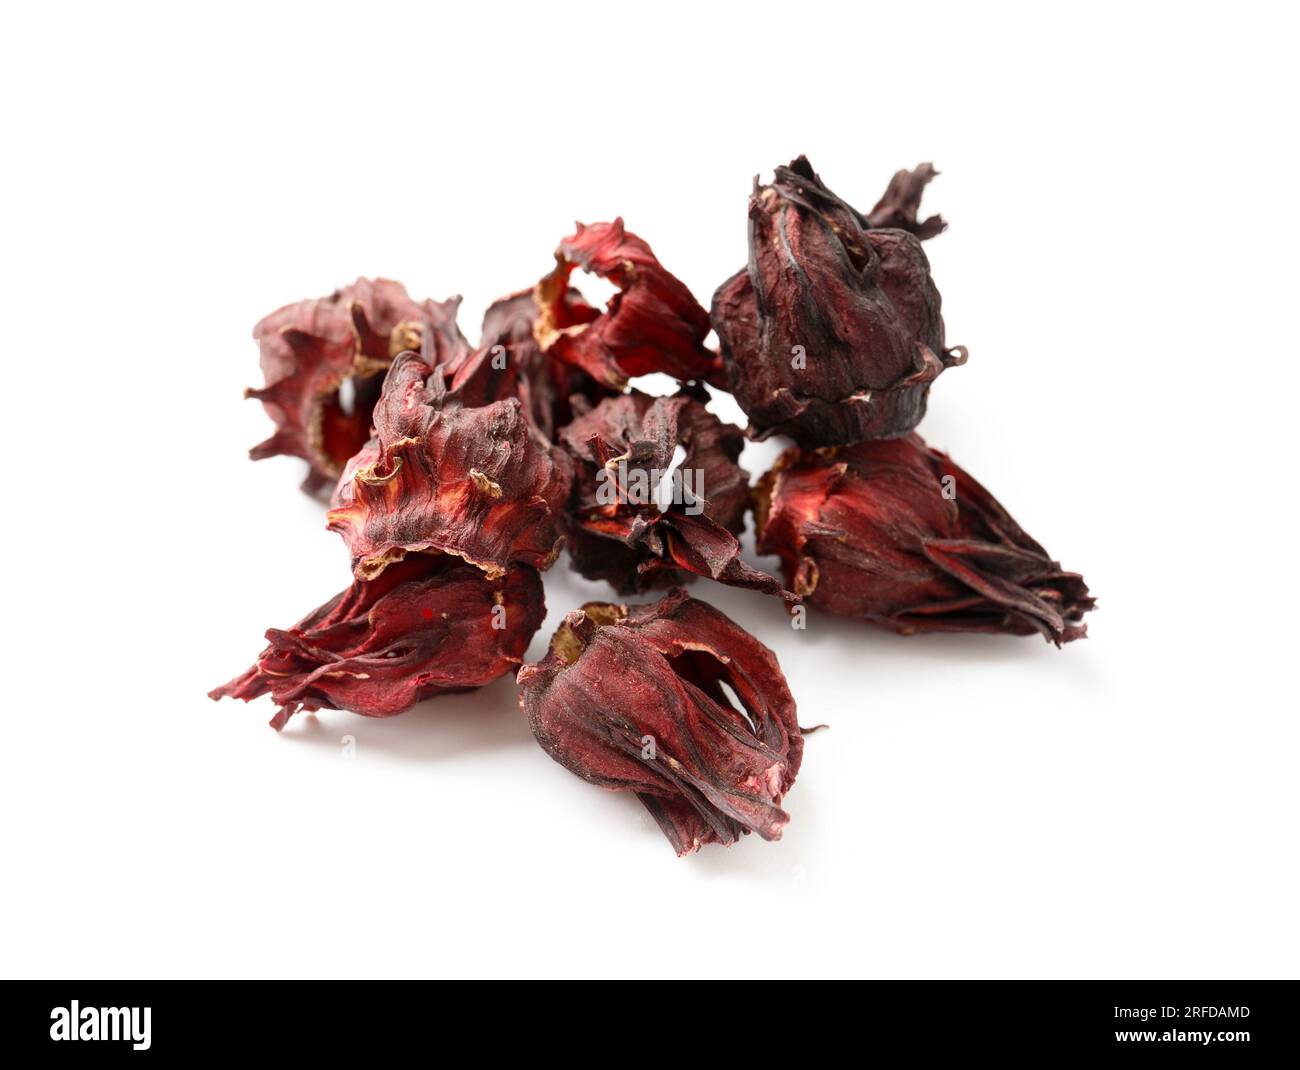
[[312, 350], [900, 204], [510, 362], [893, 532], [653, 324], [708, 769], [427, 626], [479, 483]]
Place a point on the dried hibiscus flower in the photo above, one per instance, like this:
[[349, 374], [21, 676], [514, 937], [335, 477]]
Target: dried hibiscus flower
[[427, 626], [510, 362], [324, 361], [894, 533], [479, 483], [638, 521], [653, 324], [833, 333], [632, 698]]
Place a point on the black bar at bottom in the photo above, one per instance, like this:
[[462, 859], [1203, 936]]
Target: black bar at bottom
[[303, 1019]]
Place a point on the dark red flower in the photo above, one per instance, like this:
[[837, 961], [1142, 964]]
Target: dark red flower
[[621, 530], [901, 202], [313, 350], [833, 333], [510, 362], [631, 698], [477, 483], [428, 625], [652, 324], [894, 533]]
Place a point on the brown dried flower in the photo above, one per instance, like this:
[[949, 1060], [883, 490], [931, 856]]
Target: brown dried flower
[[653, 324], [314, 351], [619, 529], [427, 626], [480, 483], [632, 698], [893, 532], [833, 333]]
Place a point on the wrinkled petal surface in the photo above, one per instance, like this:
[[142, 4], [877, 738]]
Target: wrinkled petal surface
[[893, 532], [624, 451], [510, 362], [428, 625], [631, 698], [479, 483], [653, 324], [833, 333], [311, 349]]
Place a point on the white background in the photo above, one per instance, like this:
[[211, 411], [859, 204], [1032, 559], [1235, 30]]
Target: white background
[[1121, 262]]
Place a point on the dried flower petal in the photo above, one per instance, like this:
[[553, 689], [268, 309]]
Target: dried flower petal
[[833, 333], [652, 324], [632, 698], [478, 483], [427, 626], [309, 350], [619, 528], [893, 532], [901, 202], [510, 363]]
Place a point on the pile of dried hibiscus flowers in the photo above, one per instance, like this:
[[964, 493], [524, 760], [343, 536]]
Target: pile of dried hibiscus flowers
[[460, 471]]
